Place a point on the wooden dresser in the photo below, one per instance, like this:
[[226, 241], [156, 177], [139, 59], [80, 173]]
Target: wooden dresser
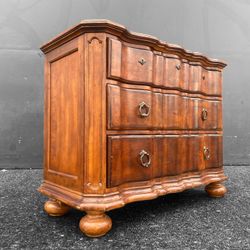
[[127, 118]]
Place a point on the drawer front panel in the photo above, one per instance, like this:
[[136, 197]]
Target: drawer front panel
[[204, 114], [195, 77], [212, 82], [180, 154], [143, 66], [185, 76], [133, 108], [210, 114], [140, 158], [204, 81], [126, 156], [129, 63], [213, 151], [171, 74], [173, 112], [145, 109]]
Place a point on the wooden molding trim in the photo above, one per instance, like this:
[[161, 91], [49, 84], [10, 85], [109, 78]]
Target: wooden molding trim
[[106, 26], [165, 90], [149, 190]]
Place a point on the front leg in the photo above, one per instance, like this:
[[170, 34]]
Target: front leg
[[215, 189], [95, 224], [55, 208]]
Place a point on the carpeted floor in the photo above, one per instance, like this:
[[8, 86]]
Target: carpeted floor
[[188, 220]]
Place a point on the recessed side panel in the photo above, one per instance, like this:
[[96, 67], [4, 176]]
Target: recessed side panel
[[63, 126]]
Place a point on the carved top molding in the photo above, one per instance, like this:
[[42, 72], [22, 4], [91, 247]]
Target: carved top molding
[[106, 26]]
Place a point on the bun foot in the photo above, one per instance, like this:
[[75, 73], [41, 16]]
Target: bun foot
[[215, 190], [95, 224], [55, 208]]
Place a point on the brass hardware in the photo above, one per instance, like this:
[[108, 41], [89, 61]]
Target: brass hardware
[[178, 66], [203, 77], [204, 114], [206, 153], [142, 61], [145, 158], [144, 109]]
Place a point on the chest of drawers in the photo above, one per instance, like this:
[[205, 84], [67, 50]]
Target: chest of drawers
[[127, 118]]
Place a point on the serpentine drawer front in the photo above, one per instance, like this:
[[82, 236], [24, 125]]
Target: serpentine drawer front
[[127, 118], [135, 63], [146, 109], [144, 157]]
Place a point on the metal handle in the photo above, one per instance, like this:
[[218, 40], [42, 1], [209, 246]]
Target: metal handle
[[145, 158], [204, 114], [203, 77], [144, 109], [178, 66], [206, 153], [142, 61]]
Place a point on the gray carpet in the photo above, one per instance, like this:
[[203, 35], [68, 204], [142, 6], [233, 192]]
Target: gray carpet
[[188, 220]]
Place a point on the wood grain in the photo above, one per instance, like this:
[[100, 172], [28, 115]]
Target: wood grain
[[131, 192], [95, 115], [127, 118], [62, 123], [166, 110], [109, 27], [169, 155]]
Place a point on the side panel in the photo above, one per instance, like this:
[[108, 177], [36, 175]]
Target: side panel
[[63, 110]]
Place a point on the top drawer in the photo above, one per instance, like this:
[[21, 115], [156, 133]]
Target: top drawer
[[130, 63], [138, 64]]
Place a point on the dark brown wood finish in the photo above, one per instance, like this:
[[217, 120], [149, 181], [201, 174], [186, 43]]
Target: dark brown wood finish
[[139, 108], [127, 117]]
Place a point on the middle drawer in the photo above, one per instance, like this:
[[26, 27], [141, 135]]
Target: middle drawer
[[135, 109]]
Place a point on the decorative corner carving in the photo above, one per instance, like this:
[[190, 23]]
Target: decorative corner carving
[[94, 186], [94, 38]]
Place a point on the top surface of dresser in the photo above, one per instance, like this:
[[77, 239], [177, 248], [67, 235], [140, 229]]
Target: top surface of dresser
[[118, 30]]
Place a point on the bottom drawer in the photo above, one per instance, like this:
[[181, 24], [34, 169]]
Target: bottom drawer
[[143, 157]]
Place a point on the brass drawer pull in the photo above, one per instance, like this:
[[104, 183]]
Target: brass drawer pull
[[178, 66], [206, 153], [144, 109], [142, 61], [204, 114], [145, 158], [203, 77]]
